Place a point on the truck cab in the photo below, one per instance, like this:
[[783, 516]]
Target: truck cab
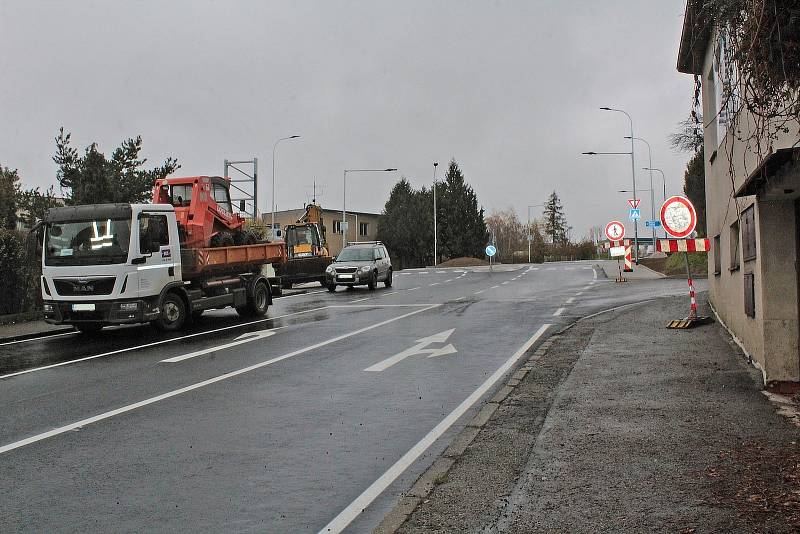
[[108, 263]]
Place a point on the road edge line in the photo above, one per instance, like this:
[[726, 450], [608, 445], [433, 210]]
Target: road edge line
[[355, 508]]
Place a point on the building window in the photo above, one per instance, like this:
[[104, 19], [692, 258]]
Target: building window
[[734, 245], [717, 256], [337, 227], [748, 222], [749, 295], [363, 228]]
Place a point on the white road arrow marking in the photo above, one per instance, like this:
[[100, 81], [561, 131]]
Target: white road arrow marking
[[244, 338], [419, 348]]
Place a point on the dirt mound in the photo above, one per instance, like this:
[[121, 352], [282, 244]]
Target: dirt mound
[[463, 262]]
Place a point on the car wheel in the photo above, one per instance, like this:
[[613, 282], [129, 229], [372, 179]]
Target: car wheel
[[373, 281], [388, 282]]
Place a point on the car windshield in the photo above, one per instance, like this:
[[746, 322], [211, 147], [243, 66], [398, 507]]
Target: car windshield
[[356, 254], [87, 242]]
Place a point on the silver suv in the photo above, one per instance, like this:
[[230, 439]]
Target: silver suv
[[360, 264]]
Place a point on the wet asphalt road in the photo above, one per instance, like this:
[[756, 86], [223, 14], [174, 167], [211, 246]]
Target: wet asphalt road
[[273, 425]]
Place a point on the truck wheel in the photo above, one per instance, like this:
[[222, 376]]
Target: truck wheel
[[373, 281], [173, 313], [331, 287], [388, 282], [257, 303], [90, 328]]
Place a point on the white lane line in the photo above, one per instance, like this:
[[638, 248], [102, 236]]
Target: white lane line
[[551, 268], [198, 385], [387, 294], [346, 516], [448, 280], [413, 288], [460, 298], [155, 343], [535, 269], [494, 287], [40, 338], [435, 284], [579, 293], [360, 300], [479, 292], [586, 288], [504, 283], [244, 338], [570, 300], [559, 312], [594, 273]]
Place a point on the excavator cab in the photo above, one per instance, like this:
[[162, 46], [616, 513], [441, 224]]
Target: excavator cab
[[203, 210]]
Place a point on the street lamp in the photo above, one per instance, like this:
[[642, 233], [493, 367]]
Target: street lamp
[[529, 228], [435, 234], [633, 177], [272, 227], [652, 199], [344, 199]]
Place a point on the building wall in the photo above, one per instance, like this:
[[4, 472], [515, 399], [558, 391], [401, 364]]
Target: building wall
[[771, 336], [331, 220]]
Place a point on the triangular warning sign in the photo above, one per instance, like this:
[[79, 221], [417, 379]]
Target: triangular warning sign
[[634, 202]]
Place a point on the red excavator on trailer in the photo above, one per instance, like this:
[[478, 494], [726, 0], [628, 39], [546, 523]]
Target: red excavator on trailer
[[204, 211]]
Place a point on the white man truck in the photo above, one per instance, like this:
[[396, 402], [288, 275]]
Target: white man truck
[[108, 264]]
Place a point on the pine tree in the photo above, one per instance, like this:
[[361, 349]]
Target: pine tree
[[393, 225], [694, 185], [462, 228], [94, 179], [555, 223]]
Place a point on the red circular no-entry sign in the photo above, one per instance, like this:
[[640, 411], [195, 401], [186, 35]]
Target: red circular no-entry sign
[[615, 231], [678, 216]]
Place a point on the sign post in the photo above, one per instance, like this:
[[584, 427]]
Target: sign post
[[679, 219], [491, 250]]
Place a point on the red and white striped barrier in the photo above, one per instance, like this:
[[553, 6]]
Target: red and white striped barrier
[[683, 245], [693, 301], [628, 259]]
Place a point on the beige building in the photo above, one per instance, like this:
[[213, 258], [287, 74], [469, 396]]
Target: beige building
[[362, 226], [752, 216]]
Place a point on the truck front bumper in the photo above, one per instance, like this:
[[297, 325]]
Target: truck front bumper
[[102, 312]]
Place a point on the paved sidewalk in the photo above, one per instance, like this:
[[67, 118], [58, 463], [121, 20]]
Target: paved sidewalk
[[622, 426]]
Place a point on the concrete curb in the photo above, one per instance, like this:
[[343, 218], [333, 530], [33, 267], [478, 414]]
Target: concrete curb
[[34, 335], [437, 472]]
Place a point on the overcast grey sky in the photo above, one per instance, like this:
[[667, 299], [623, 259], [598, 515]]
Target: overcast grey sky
[[510, 89]]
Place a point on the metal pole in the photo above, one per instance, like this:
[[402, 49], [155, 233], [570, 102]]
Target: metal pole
[[344, 212], [435, 233], [529, 234], [272, 224], [633, 172], [255, 190]]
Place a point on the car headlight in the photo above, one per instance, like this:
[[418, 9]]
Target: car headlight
[[365, 269], [129, 306], [47, 307], [329, 269]]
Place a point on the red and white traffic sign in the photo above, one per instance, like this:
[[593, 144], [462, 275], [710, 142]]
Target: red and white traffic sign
[[615, 231], [634, 202], [678, 216]]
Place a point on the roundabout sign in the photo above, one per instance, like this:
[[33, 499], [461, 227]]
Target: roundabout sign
[[678, 217]]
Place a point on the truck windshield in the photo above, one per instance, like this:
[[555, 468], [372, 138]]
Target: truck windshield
[[87, 242], [356, 254]]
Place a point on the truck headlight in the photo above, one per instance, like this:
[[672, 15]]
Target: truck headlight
[[47, 307], [365, 269], [129, 306], [329, 269]]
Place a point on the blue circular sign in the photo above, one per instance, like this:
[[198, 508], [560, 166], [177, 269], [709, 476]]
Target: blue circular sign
[[491, 250]]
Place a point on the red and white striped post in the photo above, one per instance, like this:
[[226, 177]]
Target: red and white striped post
[[686, 246]]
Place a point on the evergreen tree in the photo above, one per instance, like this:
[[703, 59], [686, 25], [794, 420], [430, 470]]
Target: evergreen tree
[[694, 185], [394, 228], [9, 194], [94, 179], [462, 229], [555, 223]]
